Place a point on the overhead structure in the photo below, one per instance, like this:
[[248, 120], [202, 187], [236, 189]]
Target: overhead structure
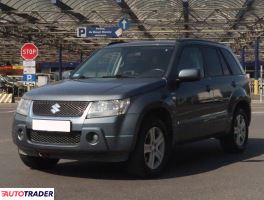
[[52, 24]]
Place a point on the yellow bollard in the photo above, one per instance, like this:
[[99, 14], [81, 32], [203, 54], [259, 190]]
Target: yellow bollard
[[256, 87]]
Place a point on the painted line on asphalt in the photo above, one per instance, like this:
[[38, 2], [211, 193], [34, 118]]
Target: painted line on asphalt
[[6, 112], [258, 112]]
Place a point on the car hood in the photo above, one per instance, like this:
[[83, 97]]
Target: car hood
[[95, 89]]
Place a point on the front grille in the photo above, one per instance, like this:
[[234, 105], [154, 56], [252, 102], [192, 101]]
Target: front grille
[[42, 137], [59, 108]]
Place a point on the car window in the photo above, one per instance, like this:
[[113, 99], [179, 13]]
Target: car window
[[130, 61], [224, 64], [233, 65], [191, 57], [213, 65]]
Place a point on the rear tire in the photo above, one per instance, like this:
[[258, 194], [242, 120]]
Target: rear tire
[[152, 149], [38, 162], [236, 140]]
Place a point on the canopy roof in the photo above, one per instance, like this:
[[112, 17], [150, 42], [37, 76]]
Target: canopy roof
[[51, 23]]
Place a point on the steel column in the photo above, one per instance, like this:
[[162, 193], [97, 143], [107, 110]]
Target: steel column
[[60, 62], [256, 58], [243, 58]]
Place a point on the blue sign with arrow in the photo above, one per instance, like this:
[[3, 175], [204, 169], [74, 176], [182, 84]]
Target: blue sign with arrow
[[111, 32], [124, 24]]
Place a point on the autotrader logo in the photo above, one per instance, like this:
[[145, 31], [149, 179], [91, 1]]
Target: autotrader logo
[[55, 108], [27, 193]]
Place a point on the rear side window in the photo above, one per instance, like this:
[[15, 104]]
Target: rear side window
[[191, 57], [233, 65], [213, 64], [225, 66]]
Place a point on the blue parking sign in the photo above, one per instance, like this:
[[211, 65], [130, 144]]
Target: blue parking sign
[[29, 77]]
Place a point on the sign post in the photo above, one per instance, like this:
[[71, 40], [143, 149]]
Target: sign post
[[29, 52]]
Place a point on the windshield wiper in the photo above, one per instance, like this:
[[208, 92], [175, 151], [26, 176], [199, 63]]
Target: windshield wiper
[[80, 77], [118, 76]]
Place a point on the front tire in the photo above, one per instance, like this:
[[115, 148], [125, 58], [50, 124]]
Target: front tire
[[38, 162], [236, 140], [152, 149]]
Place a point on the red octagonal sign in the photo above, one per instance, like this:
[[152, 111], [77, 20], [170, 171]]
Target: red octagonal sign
[[29, 51]]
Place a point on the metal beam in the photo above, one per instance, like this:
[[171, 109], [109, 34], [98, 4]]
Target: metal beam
[[185, 10], [9, 10], [67, 9], [240, 15], [122, 4]]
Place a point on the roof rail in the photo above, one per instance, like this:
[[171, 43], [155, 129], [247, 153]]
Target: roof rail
[[116, 42]]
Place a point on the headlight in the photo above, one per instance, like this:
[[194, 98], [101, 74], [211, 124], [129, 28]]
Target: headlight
[[108, 108], [23, 106]]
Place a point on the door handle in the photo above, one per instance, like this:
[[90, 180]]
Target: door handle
[[233, 83], [208, 88]]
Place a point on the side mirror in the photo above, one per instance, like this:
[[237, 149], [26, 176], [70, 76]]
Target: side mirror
[[66, 74], [189, 75]]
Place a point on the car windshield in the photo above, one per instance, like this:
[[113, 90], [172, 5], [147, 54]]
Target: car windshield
[[126, 62]]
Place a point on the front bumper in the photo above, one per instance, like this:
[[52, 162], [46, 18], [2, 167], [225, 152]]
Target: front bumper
[[116, 138]]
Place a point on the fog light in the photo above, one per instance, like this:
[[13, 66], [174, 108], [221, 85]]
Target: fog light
[[20, 134], [92, 138]]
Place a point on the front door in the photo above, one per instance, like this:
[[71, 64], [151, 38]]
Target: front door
[[192, 99]]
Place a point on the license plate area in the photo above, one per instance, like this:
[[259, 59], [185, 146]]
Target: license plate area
[[51, 125]]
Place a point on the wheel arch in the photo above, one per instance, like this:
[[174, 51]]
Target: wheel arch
[[155, 109]]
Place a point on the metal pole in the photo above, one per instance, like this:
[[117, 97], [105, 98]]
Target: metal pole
[[60, 62], [256, 58], [256, 84], [243, 58], [81, 57], [261, 83]]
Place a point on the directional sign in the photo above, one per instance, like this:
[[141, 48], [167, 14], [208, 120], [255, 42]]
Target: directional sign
[[29, 77], [29, 51], [111, 32], [124, 24]]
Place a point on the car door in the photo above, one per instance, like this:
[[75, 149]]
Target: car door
[[218, 73], [192, 99]]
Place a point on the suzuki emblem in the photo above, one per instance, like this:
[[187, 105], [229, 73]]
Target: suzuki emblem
[[55, 108]]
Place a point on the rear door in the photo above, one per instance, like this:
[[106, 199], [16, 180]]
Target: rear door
[[219, 75]]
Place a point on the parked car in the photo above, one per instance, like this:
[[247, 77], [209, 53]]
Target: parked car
[[10, 85], [134, 102]]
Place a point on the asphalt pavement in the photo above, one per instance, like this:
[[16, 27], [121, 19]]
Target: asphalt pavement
[[199, 170]]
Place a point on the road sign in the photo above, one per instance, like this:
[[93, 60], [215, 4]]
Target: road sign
[[29, 77], [124, 24], [29, 70], [81, 31], [111, 32], [29, 51], [29, 63]]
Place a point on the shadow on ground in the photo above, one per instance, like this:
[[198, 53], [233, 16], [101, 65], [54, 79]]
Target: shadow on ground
[[187, 160]]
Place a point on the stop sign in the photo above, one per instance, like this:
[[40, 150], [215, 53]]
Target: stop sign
[[29, 51]]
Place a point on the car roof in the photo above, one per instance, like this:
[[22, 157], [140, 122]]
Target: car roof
[[164, 42]]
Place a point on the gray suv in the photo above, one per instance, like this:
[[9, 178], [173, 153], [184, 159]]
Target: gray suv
[[134, 102]]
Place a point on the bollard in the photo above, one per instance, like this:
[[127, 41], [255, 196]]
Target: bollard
[[256, 87]]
